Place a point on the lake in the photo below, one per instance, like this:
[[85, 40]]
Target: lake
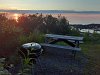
[[89, 30]]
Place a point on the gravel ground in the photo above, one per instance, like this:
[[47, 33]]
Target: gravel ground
[[60, 62]]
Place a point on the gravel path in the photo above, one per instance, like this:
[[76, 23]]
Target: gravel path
[[59, 62]]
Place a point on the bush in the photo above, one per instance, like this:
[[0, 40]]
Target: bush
[[93, 38], [32, 37]]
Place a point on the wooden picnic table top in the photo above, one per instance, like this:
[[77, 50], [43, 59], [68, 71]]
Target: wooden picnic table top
[[54, 36]]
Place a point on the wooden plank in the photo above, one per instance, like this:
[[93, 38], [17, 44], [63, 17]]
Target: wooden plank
[[59, 40], [63, 37], [61, 47], [74, 41]]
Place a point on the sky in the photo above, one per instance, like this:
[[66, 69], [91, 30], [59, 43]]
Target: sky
[[80, 5]]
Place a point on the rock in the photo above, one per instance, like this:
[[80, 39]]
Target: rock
[[1, 68], [2, 60], [4, 72]]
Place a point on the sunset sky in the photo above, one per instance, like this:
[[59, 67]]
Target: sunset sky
[[83, 5]]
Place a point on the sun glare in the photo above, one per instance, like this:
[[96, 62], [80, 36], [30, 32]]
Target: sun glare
[[16, 16]]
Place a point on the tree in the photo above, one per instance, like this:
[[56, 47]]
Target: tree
[[51, 24], [64, 27]]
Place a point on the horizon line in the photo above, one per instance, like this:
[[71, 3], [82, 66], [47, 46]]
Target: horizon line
[[52, 11]]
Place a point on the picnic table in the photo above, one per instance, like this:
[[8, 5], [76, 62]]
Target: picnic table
[[72, 41]]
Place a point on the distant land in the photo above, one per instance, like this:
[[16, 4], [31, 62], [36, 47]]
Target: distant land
[[74, 17], [50, 11]]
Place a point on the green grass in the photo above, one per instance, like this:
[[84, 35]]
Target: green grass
[[61, 43], [92, 51]]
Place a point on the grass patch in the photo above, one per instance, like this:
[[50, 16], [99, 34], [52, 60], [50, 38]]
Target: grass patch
[[92, 51], [62, 43]]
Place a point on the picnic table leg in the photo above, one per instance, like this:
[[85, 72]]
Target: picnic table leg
[[74, 54], [46, 40], [77, 44]]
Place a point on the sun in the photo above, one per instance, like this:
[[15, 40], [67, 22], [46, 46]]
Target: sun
[[16, 16]]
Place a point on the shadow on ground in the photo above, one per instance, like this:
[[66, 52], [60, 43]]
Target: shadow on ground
[[60, 62]]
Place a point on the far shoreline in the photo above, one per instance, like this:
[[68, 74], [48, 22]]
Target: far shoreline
[[73, 18]]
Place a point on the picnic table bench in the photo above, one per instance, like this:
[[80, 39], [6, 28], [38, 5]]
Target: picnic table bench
[[72, 41]]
